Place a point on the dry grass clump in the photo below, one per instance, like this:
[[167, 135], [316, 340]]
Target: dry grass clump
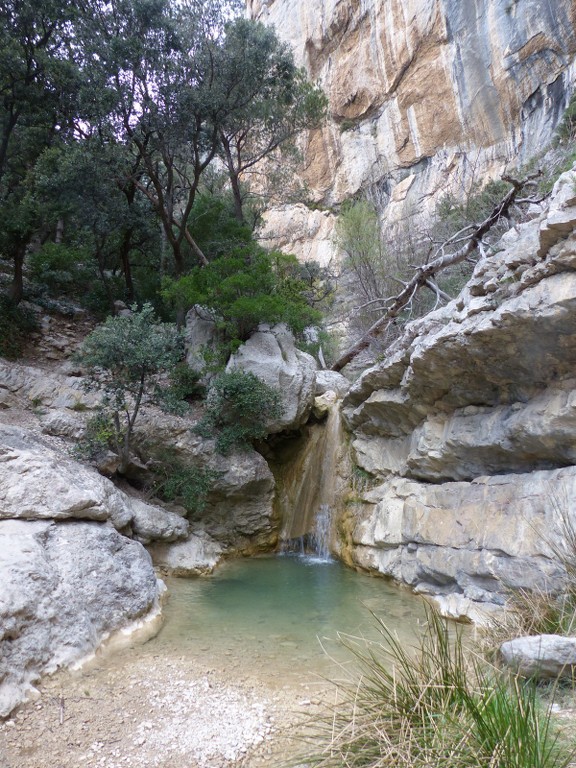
[[432, 706]]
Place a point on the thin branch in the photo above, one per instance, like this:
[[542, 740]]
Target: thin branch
[[427, 271]]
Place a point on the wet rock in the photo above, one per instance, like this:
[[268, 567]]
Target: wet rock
[[199, 554], [331, 381]]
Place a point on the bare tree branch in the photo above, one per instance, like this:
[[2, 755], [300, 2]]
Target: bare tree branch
[[427, 271]]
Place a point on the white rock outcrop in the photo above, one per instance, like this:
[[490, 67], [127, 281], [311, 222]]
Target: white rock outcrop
[[63, 589], [272, 355], [38, 482], [467, 427], [541, 657]]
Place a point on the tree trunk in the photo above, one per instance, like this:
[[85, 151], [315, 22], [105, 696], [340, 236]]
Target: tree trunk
[[16, 290]]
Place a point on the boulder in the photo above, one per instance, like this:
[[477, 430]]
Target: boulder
[[271, 354], [331, 381], [63, 589], [198, 555], [201, 333], [37, 482], [542, 657], [154, 524], [239, 512]]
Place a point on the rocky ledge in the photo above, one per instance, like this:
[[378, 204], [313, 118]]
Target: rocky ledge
[[467, 426]]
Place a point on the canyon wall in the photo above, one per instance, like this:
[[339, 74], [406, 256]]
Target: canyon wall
[[467, 428], [426, 97]]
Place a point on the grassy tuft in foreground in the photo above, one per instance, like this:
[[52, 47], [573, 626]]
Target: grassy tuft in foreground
[[435, 705]]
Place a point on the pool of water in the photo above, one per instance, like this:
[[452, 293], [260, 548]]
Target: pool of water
[[281, 615]]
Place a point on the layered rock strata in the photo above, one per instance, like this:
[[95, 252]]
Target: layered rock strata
[[426, 97], [467, 427]]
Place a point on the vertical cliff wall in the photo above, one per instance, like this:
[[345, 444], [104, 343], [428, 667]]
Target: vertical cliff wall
[[425, 97]]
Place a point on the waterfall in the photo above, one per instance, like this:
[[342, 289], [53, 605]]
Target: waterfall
[[306, 476]]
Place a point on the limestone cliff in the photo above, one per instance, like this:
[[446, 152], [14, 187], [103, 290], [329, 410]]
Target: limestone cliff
[[468, 426], [426, 96]]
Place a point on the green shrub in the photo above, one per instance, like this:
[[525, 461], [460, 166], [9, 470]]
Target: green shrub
[[183, 387], [98, 437], [188, 486], [124, 357], [61, 268], [239, 408], [244, 288], [16, 325], [566, 130]]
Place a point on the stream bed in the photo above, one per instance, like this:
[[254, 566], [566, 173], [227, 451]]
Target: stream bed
[[280, 617], [242, 658]]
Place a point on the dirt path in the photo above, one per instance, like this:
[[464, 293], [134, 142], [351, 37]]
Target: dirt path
[[143, 710]]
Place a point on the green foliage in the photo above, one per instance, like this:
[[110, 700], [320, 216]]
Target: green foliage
[[566, 130], [239, 408], [62, 268], [123, 356], [16, 325], [99, 437], [432, 705], [474, 208], [245, 288], [358, 235], [189, 486], [183, 387]]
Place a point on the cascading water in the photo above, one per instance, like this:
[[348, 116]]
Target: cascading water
[[306, 477]]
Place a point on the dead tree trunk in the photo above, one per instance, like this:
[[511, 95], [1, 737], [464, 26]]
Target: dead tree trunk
[[426, 272]]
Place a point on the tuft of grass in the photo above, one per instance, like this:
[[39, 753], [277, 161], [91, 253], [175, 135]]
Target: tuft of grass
[[432, 706]]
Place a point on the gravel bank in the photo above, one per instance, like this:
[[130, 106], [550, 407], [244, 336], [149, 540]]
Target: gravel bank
[[141, 710]]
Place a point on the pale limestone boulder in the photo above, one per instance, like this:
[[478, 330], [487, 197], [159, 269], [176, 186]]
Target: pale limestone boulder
[[39, 483], [63, 423], [42, 389], [541, 657], [331, 381], [151, 523], [271, 354], [197, 555], [201, 333], [64, 589]]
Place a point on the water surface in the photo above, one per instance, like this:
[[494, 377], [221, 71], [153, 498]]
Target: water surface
[[282, 615]]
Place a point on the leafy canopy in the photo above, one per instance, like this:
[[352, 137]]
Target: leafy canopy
[[246, 287], [239, 409], [123, 356]]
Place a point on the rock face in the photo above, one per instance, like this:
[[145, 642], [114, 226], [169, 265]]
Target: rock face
[[239, 513], [426, 97], [468, 424], [64, 588], [39, 483], [271, 354]]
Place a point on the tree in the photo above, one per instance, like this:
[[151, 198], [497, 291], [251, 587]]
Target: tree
[[274, 101], [447, 254], [37, 86], [87, 200], [244, 288], [124, 357]]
